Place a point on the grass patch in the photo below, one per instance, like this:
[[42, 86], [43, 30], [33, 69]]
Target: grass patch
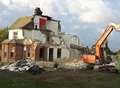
[[60, 79]]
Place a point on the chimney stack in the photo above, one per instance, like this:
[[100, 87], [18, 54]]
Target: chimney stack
[[37, 11]]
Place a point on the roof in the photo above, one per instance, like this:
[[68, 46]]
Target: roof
[[26, 22], [21, 22]]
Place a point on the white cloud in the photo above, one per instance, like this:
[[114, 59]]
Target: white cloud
[[89, 10], [5, 2], [46, 6], [86, 10]]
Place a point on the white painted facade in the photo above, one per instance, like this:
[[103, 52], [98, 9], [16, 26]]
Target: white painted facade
[[27, 34], [36, 22], [65, 53], [71, 39], [53, 26], [19, 34], [35, 35], [55, 40]]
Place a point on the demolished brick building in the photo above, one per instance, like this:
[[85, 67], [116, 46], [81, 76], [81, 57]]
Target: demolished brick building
[[39, 38]]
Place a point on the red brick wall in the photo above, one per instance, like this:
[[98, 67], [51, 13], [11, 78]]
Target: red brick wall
[[4, 58], [19, 52], [16, 49]]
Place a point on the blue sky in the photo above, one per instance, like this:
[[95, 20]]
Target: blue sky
[[85, 18]]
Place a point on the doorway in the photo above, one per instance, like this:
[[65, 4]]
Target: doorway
[[41, 53], [51, 54]]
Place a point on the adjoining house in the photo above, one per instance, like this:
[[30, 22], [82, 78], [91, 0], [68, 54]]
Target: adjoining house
[[39, 38]]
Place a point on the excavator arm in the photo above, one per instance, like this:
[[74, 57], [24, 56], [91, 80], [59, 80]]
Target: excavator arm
[[91, 59], [103, 38]]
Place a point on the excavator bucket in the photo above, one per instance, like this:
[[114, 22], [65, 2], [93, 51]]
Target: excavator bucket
[[89, 59]]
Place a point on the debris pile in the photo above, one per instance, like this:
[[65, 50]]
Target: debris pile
[[48, 66], [45, 64], [74, 64], [111, 67], [23, 65]]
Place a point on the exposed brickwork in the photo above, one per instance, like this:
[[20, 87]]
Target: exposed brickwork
[[11, 52], [16, 51]]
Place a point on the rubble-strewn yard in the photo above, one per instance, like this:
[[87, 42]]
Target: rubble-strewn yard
[[69, 74], [60, 79], [27, 65]]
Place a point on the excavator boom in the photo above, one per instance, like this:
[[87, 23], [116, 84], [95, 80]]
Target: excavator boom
[[98, 55], [103, 38]]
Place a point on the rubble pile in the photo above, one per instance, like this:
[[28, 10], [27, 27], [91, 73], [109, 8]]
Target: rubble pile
[[48, 66], [74, 64], [23, 65], [45, 64]]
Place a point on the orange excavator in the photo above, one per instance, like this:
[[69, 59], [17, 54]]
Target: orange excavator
[[98, 56]]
